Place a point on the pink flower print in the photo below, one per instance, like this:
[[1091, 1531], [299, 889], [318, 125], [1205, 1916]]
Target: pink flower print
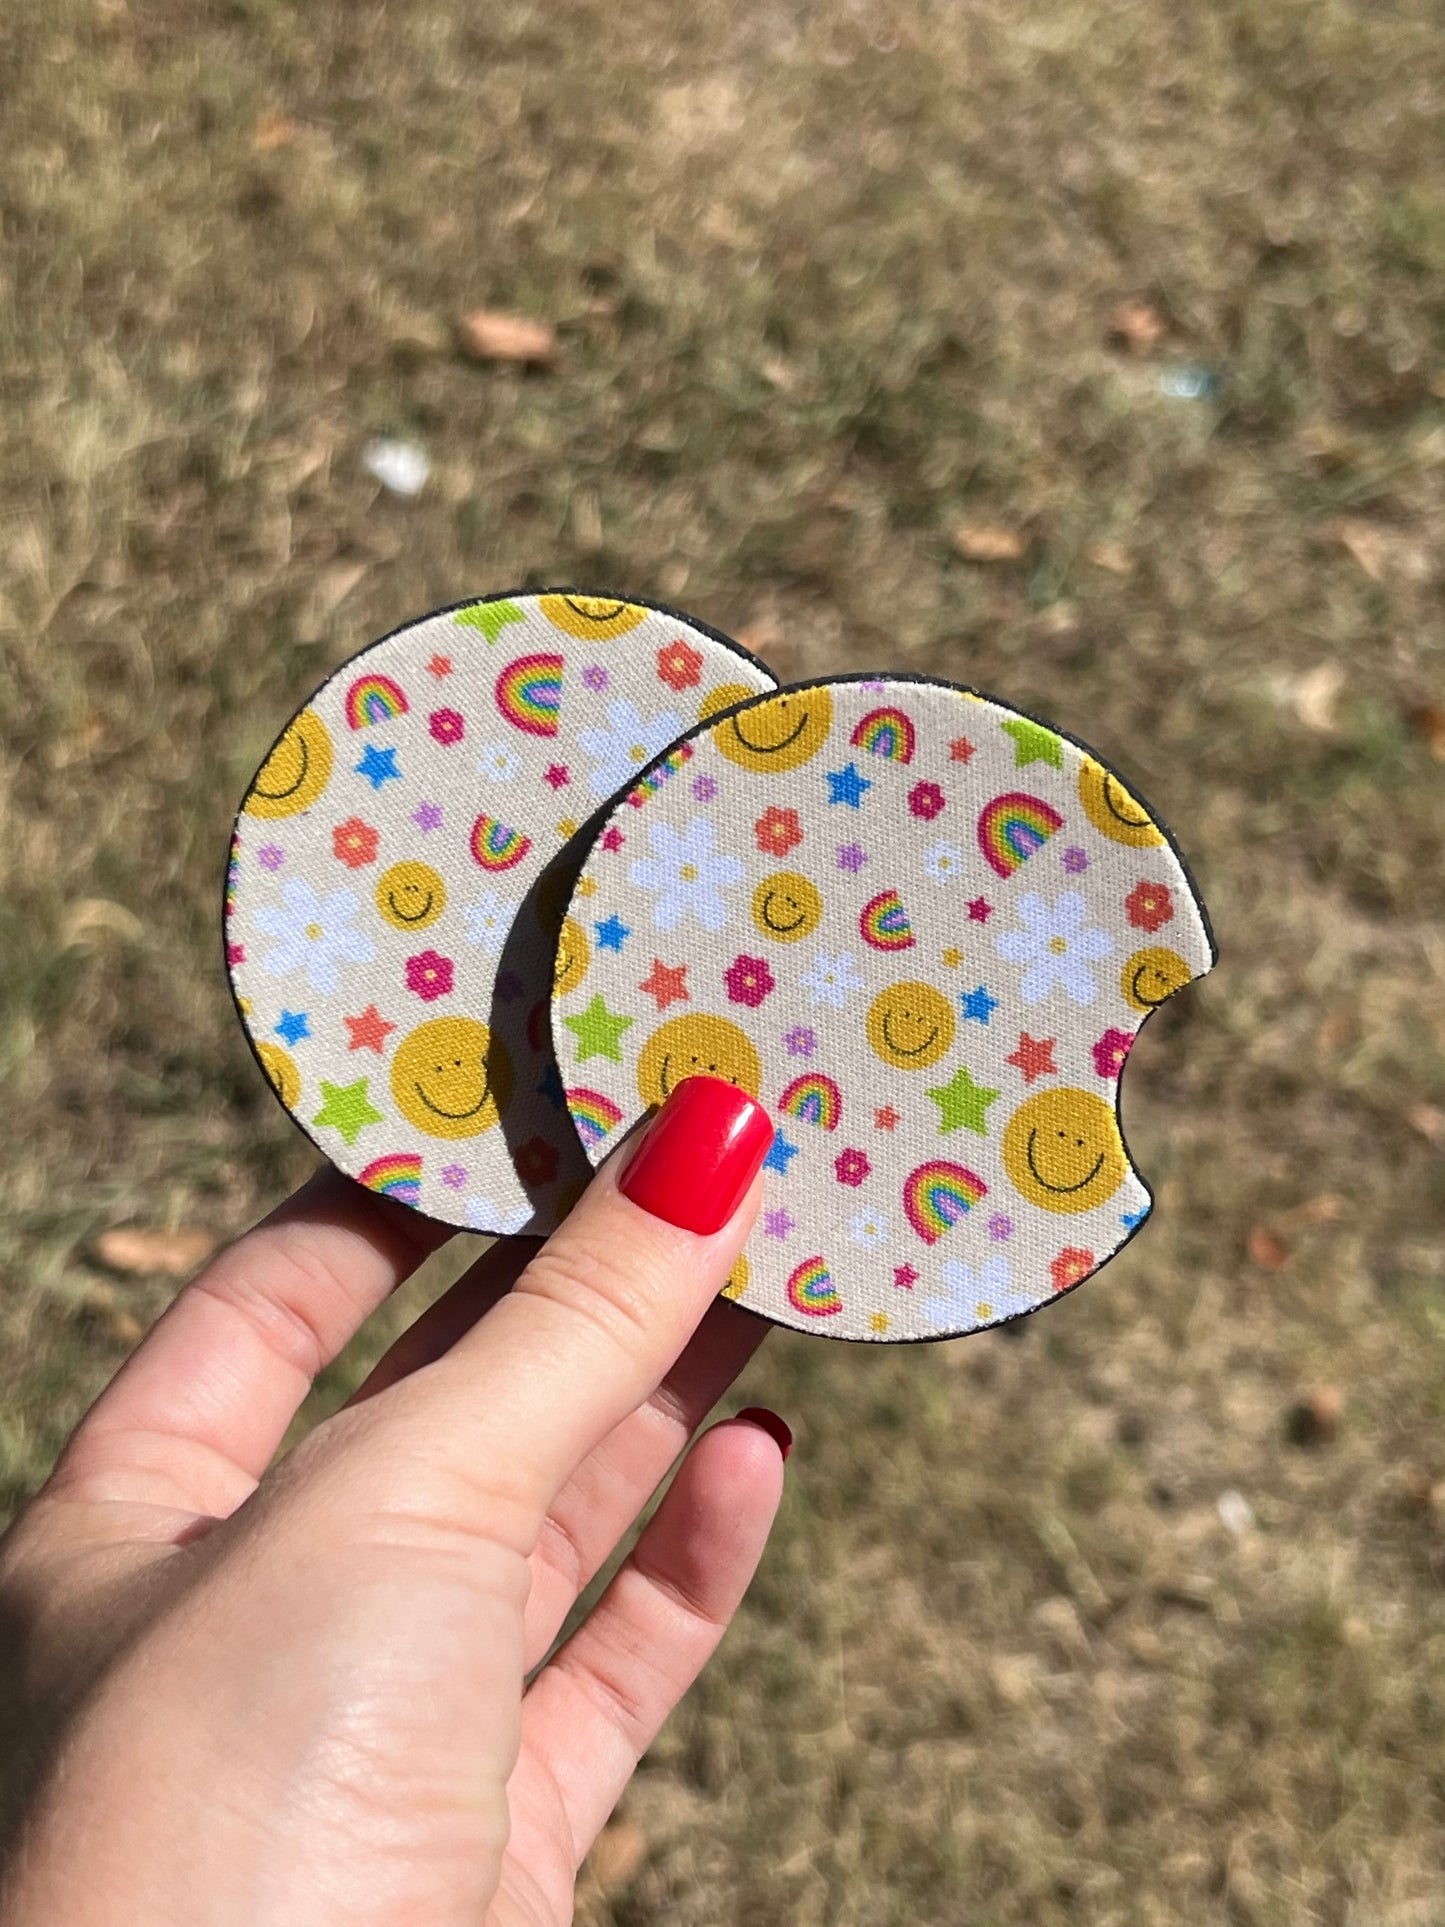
[[1110, 1052], [1071, 1267], [1149, 906], [429, 974], [447, 726], [926, 800], [778, 831], [354, 842], [851, 1167], [749, 981], [679, 665]]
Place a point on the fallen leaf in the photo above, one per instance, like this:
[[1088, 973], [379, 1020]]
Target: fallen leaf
[[618, 1853], [988, 542], [97, 916], [1428, 1120], [1325, 1209], [487, 334], [1428, 721], [141, 1251], [1315, 695], [273, 130], [1137, 326], [1266, 1248]]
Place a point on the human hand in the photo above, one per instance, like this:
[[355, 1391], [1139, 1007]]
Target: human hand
[[233, 1694]]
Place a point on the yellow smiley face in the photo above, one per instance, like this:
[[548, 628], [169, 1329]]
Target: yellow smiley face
[[1062, 1150], [787, 907], [779, 733], [698, 1046], [410, 895], [280, 1067], [451, 1078], [574, 953], [296, 772], [910, 1025], [1112, 810], [738, 1279], [594, 618], [1153, 975], [727, 696]]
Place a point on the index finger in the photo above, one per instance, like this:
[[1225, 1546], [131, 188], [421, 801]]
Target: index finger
[[589, 1331]]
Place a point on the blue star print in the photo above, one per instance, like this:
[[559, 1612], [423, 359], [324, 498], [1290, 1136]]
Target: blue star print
[[781, 1156], [1131, 1220], [612, 934], [293, 1026], [846, 786], [978, 1005], [378, 766]]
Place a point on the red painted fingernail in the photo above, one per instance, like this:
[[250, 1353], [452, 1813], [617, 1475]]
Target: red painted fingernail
[[770, 1423], [700, 1154]]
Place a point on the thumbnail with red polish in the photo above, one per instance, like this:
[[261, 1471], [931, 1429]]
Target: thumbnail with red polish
[[700, 1155]]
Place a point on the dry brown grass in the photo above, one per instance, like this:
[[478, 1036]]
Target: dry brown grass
[[829, 279]]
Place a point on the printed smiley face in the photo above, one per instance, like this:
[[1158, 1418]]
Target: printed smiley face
[[1063, 1152], [280, 1068], [787, 906], [779, 733], [1152, 976], [910, 1025], [696, 1046], [410, 895], [451, 1077], [296, 772], [594, 618], [572, 957], [1112, 810]]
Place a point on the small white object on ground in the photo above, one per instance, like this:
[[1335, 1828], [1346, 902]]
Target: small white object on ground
[[401, 467]]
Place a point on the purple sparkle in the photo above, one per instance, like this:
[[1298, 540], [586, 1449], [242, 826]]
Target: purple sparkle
[[1075, 860], [801, 1041], [1000, 1226], [851, 856], [454, 1175], [704, 788], [777, 1224], [595, 678], [270, 857], [428, 817]]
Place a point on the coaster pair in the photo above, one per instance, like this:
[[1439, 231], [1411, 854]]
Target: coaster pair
[[520, 867]]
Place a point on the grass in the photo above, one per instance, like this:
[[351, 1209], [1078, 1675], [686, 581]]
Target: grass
[[829, 280]]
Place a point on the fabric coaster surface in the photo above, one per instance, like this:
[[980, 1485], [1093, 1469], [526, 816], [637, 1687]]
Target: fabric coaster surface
[[923, 928], [398, 874]]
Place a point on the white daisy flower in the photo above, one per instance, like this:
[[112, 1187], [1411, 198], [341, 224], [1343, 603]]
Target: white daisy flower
[[315, 934], [943, 862], [832, 980], [869, 1229], [483, 1214], [629, 741], [498, 763], [1058, 946], [973, 1294], [687, 874], [488, 921]]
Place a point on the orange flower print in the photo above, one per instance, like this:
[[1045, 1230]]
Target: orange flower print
[[1071, 1267], [1149, 905], [778, 831], [679, 665], [355, 842]]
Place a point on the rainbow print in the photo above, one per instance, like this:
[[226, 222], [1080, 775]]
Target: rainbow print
[[1012, 827], [938, 1194], [496, 845], [397, 1175], [529, 694], [814, 1099], [811, 1290], [674, 760], [233, 873], [883, 922], [374, 699], [593, 1114], [887, 733]]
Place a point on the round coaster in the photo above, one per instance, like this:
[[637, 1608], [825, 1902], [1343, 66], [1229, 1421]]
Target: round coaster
[[923, 928], [400, 867]]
